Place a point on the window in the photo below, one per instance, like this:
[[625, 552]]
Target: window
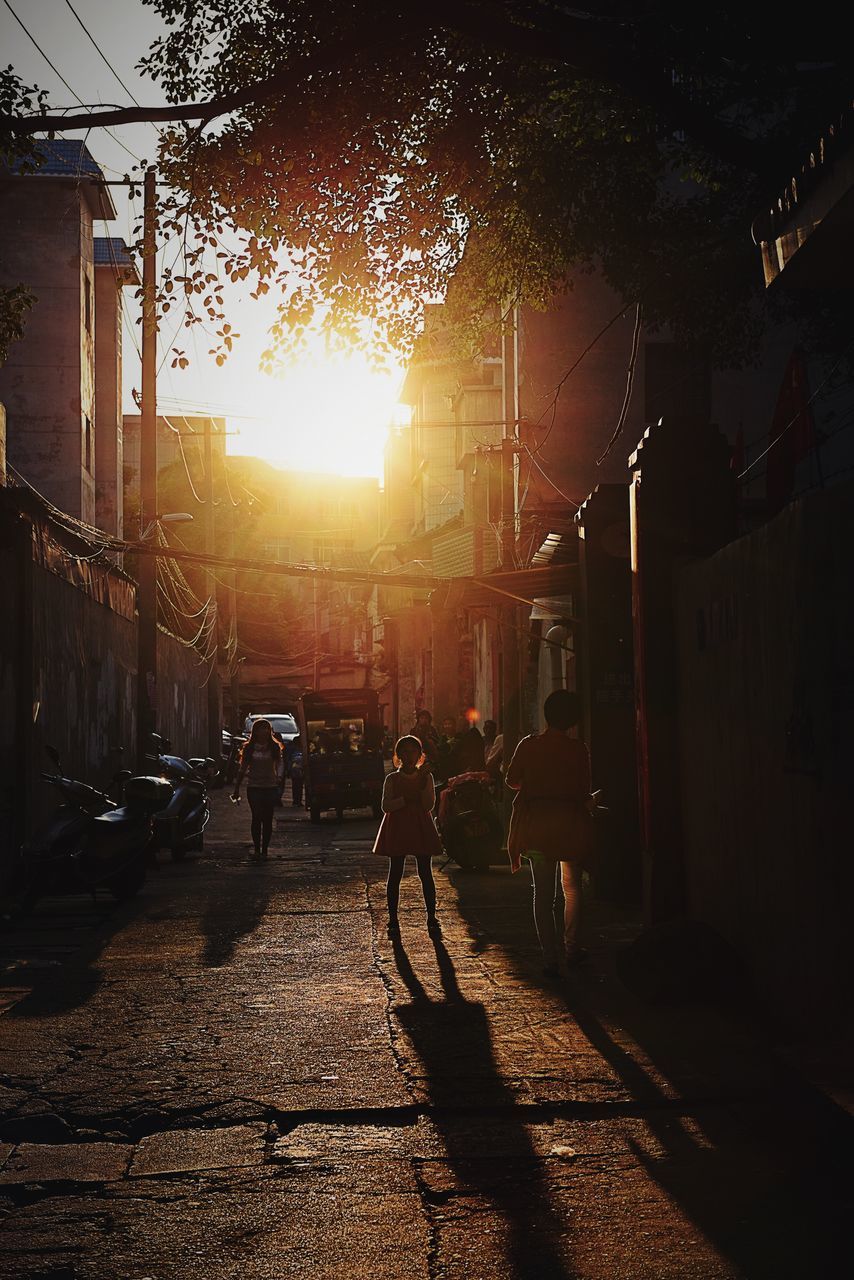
[[88, 459], [276, 550], [331, 508], [327, 549], [87, 303]]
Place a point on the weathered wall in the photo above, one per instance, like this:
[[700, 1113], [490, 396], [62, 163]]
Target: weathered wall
[[47, 383], [68, 654], [182, 707], [84, 666], [766, 698]]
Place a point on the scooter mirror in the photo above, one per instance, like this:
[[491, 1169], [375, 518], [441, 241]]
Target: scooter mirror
[[53, 755]]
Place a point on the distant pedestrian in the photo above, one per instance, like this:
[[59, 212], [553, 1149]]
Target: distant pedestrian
[[408, 828], [425, 731], [296, 776], [467, 752], [261, 763], [550, 824]]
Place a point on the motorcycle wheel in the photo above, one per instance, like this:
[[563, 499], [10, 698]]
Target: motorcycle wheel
[[126, 884]]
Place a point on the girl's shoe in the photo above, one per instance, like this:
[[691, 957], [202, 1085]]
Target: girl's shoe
[[433, 927]]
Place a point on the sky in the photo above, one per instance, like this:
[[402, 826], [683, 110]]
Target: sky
[[318, 416]]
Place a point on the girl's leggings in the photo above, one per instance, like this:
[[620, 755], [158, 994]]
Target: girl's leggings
[[262, 802], [395, 875]]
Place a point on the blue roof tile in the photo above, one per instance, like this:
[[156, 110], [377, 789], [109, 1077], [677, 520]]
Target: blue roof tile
[[61, 158], [112, 251]]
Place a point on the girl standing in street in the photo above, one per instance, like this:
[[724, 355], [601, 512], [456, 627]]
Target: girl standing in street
[[261, 763], [408, 828]]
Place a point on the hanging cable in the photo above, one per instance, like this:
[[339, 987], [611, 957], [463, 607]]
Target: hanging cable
[[551, 482], [103, 56], [630, 379], [62, 78], [793, 420]]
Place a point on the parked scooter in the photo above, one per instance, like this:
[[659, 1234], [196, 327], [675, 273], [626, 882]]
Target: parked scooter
[[469, 822], [90, 842], [180, 826], [208, 770]]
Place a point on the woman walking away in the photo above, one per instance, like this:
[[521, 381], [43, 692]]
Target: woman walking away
[[408, 828], [550, 823], [261, 763]]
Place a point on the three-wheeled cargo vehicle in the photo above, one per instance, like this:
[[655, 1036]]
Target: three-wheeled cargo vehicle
[[342, 738]]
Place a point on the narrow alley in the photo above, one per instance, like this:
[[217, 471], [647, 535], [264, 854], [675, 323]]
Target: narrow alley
[[240, 1075]]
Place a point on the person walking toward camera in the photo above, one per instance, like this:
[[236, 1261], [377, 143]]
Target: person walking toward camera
[[408, 828], [262, 765], [550, 824]]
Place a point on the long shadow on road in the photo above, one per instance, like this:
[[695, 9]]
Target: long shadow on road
[[234, 909], [453, 1041], [769, 1181]]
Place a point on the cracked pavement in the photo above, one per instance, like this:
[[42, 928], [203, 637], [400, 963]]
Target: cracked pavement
[[239, 1075]]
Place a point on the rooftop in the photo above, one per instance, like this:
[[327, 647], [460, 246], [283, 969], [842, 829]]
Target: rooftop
[[69, 158], [111, 251]]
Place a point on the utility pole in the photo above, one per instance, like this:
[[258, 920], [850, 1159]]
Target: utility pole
[[316, 637], [214, 726], [511, 668], [146, 599], [232, 601]]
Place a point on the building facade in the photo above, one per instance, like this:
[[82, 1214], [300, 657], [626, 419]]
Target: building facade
[[48, 383]]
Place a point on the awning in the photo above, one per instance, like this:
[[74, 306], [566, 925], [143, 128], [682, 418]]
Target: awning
[[552, 608], [523, 586]]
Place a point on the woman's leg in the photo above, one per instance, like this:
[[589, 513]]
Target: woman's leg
[[428, 884], [269, 805], [571, 880], [544, 877], [252, 795], [392, 886]]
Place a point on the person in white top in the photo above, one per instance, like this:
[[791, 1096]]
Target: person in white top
[[261, 763]]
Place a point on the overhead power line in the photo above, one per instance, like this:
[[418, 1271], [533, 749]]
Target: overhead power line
[[100, 51], [89, 123]]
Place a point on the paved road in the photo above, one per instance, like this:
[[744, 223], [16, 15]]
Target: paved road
[[239, 1076]]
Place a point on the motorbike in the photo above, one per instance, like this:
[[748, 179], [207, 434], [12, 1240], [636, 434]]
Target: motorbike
[[208, 770], [92, 841], [469, 822], [180, 826]]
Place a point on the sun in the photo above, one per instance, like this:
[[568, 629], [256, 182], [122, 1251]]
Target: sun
[[329, 412]]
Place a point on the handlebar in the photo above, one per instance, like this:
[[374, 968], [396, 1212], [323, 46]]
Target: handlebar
[[79, 791]]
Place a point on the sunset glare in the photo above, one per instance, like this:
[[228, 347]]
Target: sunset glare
[[327, 412]]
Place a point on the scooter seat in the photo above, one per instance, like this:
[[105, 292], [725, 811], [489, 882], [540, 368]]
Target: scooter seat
[[115, 816]]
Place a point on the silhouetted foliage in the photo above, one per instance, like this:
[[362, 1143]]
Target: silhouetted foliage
[[506, 143]]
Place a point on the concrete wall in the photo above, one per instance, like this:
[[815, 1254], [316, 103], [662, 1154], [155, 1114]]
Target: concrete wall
[[47, 383], [84, 674], [766, 702], [68, 657], [182, 705]]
